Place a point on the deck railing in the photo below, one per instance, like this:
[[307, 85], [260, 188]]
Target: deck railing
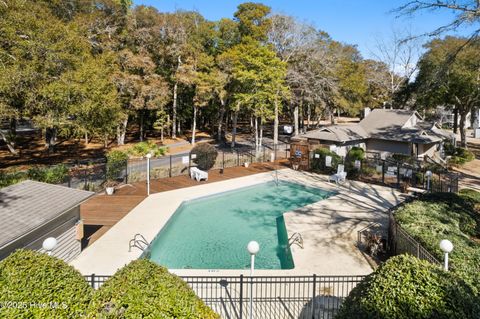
[[272, 297]]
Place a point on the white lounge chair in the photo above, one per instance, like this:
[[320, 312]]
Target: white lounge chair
[[340, 176], [198, 174]]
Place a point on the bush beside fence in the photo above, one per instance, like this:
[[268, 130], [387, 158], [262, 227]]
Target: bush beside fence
[[303, 297]]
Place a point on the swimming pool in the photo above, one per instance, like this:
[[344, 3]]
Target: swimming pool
[[213, 232]]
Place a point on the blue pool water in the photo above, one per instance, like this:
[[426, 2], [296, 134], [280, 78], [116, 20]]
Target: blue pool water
[[213, 232]]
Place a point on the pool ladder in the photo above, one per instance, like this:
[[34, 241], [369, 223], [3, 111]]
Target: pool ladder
[[138, 241], [296, 239]]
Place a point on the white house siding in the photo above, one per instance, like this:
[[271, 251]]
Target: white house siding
[[383, 146]]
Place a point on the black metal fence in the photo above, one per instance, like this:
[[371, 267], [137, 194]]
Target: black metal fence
[[179, 164], [392, 173], [401, 242], [271, 297], [92, 175]]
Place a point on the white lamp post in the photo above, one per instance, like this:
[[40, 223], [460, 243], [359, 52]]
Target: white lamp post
[[49, 244], [429, 175], [148, 156], [253, 247], [446, 246]]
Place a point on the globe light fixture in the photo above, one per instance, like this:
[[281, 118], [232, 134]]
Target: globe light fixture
[[446, 246], [49, 244]]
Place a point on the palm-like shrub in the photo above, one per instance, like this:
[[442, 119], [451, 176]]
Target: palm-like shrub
[[34, 285], [143, 289]]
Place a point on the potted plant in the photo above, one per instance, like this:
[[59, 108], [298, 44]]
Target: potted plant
[[110, 187]]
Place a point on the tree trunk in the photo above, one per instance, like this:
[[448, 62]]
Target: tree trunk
[[50, 138], [260, 139], [86, 138], [455, 120], [121, 131], [168, 126], [162, 134], [301, 124], [174, 111], [295, 119], [10, 145], [142, 115], [221, 115], [256, 136], [309, 115], [194, 126], [275, 124], [105, 141], [463, 133], [13, 132], [234, 127]]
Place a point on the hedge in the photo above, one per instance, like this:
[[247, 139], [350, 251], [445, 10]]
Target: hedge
[[206, 156], [34, 285], [405, 287], [142, 289], [53, 175], [448, 216]]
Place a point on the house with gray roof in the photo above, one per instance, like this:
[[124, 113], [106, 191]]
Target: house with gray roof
[[384, 132], [32, 211]]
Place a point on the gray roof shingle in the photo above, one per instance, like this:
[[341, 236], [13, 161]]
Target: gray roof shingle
[[28, 205], [385, 125]]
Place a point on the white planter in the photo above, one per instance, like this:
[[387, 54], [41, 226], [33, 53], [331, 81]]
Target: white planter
[[110, 190], [246, 164]]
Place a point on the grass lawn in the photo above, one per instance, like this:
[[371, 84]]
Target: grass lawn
[[448, 216]]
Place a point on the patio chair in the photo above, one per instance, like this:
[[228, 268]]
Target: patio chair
[[193, 173], [340, 176], [199, 174]]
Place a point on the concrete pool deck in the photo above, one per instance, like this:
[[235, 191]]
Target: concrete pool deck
[[329, 227]]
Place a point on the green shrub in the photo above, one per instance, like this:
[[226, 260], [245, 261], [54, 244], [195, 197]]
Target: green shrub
[[450, 216], [406, 287], [143, 289], [52, 175], [318, 164], [11, 178], [42, 287], [206, 155], [354, 154], [143, 148], [461, 156], [116, 163], [449, 149]]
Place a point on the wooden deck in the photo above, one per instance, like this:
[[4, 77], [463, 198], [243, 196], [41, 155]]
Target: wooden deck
[[107, 210]]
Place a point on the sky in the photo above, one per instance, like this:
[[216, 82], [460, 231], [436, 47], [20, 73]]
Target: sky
[[359, 22]]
